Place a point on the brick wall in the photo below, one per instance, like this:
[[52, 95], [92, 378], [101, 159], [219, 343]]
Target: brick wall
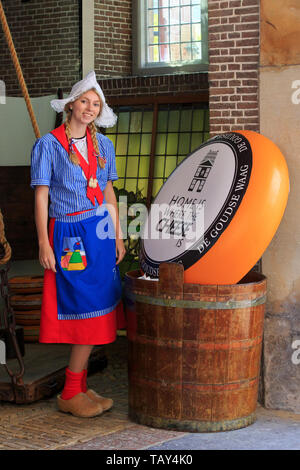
[[47, 39], [113, 38], [155, 85], [233, 28], [113, 57]]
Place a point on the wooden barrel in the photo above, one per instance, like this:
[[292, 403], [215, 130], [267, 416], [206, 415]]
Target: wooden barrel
[[194, 351], [26, 284]]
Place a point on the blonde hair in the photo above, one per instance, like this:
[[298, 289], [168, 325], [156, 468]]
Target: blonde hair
[[92, 127]]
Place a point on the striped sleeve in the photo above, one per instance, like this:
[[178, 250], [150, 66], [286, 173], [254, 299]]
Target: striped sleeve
[[41, 166], [111, 162]]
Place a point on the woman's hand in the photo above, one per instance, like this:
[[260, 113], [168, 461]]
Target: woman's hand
[[112, 207], [46, 257], [120, 250]]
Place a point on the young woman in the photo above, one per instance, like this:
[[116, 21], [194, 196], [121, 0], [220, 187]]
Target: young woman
[[81, 305]]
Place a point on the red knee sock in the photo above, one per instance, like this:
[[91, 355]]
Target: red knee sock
[[83, 381], [72, 384]]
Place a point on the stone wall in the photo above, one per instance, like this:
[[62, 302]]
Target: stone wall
[[280, 121]]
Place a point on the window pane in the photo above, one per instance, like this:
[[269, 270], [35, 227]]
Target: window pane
[[123, 122], [152, 35], [186, 120], [161, 140], [171, 163], [146, 144], [130, 185], [180, 159], [153, 54], [196, 14], [184, 144], [174, 16], [196, 32], [197, 140], [144, 167], [206, 121], [134, 144], [174, 34], [174, 2], [121, 148], [152, 17], [147, 121], [163, 34], [159, 166], [119, 184], [185, 14], [196, 50], [172, 144], [164, 16], [157, 184], [175, 52], [136, 122], [174, 117], [186, 51], [121, 165], [132, 167], [185, 33], [162, 121], [164, 53], [198, 120], [112, 137]]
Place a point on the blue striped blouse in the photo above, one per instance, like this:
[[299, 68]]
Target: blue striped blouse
[[51, 166]]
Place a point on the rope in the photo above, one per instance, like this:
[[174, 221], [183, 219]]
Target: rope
[[18, 70], [5, 249]]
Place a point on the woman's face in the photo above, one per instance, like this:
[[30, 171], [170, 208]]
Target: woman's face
[[86, 108]]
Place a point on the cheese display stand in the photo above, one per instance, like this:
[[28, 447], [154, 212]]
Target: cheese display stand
[[195, 309]]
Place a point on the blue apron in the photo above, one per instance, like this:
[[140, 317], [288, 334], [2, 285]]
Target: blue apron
[[88, 281]]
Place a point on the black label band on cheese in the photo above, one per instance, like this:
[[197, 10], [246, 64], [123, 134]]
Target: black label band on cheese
[[212, 180]]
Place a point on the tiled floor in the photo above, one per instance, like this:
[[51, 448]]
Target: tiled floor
[[40, 426]]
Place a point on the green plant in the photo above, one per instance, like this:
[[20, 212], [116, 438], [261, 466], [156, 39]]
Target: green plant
[[132, 242]]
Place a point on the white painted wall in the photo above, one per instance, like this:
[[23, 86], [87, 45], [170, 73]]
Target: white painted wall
[[16, 132], [88, 47]]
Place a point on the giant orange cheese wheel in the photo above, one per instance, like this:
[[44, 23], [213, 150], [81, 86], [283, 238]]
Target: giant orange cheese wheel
[[219, 209]]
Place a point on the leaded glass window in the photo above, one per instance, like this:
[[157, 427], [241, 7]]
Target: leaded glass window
[[170, 35]]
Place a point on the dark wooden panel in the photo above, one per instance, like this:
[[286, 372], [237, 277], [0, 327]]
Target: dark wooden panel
[[17, 205]]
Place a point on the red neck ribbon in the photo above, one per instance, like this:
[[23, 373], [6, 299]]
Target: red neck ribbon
[[90, 168]]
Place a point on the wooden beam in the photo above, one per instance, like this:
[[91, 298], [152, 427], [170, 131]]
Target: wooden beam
[[159, 99], [152, 155]]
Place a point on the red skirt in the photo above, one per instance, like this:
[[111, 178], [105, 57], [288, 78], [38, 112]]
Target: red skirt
[[92, 331]]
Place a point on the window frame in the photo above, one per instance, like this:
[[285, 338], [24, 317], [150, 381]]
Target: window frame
[[156, 101], [138, 50]]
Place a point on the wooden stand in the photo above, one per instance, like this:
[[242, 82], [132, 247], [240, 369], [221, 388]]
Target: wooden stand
[[41, 372], [44, 375]]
